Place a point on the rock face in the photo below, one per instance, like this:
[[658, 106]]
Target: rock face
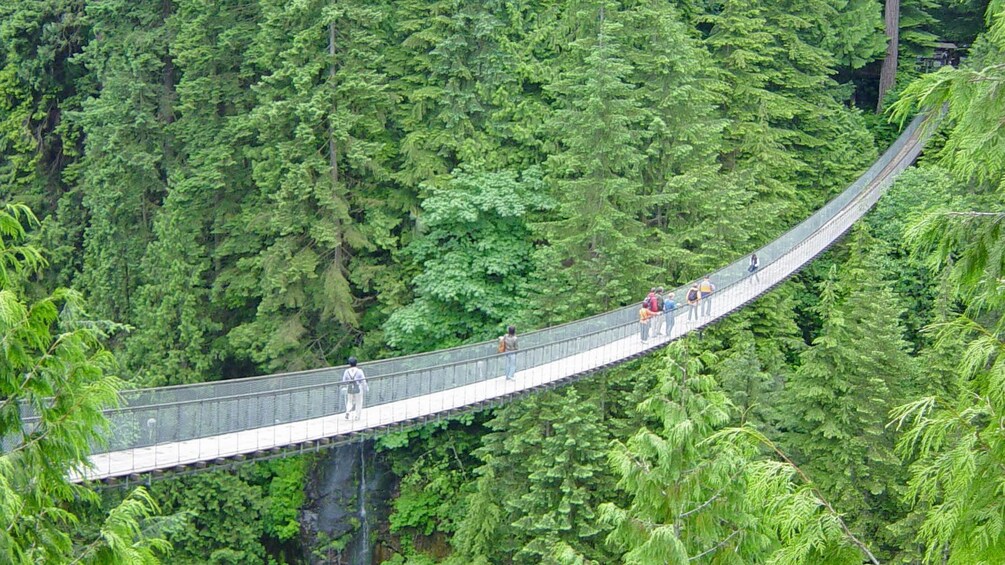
[[347, 499]]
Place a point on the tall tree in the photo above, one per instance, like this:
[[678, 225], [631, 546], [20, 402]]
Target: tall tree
[[124, 169], [320, 160], [55, 380], [539, 484], [837, 400], [685, 498], [888, 74], [596, 257], [954, 432], [182, 316]]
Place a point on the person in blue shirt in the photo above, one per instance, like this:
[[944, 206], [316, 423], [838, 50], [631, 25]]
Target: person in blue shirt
[[669, 305]]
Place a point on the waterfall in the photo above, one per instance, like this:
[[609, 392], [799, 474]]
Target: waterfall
[[363, 552]]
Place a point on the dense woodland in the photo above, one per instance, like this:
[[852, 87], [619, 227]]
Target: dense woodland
[[240, 187]]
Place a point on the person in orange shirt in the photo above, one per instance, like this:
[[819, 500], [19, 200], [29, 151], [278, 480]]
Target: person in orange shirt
[[644, 315]]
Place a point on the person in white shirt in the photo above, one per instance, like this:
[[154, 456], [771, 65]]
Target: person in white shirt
[[356, 387]]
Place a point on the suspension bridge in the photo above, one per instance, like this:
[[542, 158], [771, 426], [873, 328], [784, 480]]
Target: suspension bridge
[[191, 427]]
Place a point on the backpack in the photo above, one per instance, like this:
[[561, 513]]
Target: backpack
[[706, 287], [692, 294], [354, 384], [647, 302]]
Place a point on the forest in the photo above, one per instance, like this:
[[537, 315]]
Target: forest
[[199, 190]]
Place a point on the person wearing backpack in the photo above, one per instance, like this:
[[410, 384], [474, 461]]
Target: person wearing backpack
[[657, 321], [706, 288], [356, 385], [508, 347], [644, 315], [693, 300], [650, 301], [669, 305], [755, 263]]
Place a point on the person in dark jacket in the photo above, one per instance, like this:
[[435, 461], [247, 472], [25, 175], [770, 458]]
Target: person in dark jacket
[[509, 347]]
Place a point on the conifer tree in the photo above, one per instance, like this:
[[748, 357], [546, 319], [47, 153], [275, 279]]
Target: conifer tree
[[55, 380], [685, 495], [178, 340], [539, 484], [319, 159], [954, 433], [122, 174], [697, 211], [784, 106], [597, 249], [557, 512], [838, 399], [464, 71], [39, 81]]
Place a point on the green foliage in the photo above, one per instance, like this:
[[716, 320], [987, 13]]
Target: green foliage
[[434, 462], [55, 380], [226, 524], [177, 341], [974, 148], [237, 518], [476, 255], [596, 254], [837, 400], [284, 481], [540, 479], [790, 506], [685, 497], [260, 186]]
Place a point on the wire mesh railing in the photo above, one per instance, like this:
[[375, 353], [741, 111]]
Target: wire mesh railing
[[452, 377]]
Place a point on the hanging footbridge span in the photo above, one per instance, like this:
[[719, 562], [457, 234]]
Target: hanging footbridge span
[[191, 427]]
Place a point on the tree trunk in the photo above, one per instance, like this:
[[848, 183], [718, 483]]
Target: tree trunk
[[888, 75]]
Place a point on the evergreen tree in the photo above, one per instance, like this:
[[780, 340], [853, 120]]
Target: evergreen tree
[[784, 107], [55, 380], [685, 496], [954, 432], [539, 483], [596, 255], [697, 211], [838, 399], [178, 340], [319, 160], [122, 174], [39, 81]]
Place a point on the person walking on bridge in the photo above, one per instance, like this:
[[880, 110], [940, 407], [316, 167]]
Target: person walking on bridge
[[706, 288], [669, 305], [693, 300], [356, 387], [755, 263], [657, 321], [508, 347], [644, 315]]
